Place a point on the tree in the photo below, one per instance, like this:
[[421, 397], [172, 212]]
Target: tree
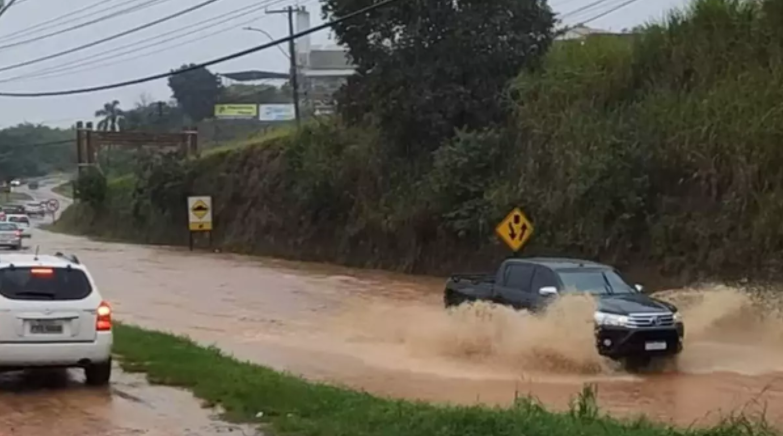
[[426, 68], [149, 115], [29, 150], [112, 116], [196, 92]]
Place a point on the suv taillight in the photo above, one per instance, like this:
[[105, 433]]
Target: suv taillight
[[18, 233], [103, 322]]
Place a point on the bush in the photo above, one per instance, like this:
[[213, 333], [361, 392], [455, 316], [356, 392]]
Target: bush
[[91, 187]]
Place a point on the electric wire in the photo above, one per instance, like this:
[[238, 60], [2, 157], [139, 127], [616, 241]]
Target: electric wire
[[610, 11], [119, 13], [112, 37], [32, 29], [99, 58], [216, 61], [10, 3], [583, 8]]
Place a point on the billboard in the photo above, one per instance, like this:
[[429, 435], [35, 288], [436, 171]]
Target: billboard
[[236, 111], [276, 112]]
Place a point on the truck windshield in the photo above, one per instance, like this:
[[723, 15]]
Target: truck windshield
[[596, 282]]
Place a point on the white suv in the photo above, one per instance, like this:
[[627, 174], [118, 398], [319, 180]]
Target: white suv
[[52, 315]]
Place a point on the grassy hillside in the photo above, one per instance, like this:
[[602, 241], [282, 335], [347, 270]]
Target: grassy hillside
[[659, 150]]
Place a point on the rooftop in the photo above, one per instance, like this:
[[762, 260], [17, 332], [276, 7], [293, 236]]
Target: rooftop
[[562, 262], [31, 260]]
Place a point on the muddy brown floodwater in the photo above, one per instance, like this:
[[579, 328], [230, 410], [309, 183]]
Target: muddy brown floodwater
[[388, 334], [33, 404]]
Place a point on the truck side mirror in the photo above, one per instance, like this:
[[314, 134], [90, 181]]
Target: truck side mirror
[[547, 291], [639, 287]]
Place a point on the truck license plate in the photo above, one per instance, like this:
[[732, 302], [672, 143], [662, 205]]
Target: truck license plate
[[655, 346], [46, 327]]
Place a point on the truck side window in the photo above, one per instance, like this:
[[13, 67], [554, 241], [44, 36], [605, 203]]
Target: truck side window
[[543, 277], [519, 276]]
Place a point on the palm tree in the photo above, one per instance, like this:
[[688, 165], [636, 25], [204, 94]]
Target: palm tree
[[112, 116]]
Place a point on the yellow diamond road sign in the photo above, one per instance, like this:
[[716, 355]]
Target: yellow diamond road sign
[[200, 209], [515, 230], [200, 213]]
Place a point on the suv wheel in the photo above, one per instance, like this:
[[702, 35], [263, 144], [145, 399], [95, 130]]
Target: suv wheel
[[98, 374]]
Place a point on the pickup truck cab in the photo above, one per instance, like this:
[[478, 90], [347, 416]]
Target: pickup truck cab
[[629, 325]]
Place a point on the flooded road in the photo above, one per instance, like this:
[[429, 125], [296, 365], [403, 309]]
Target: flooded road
[[38, 403], [32, 404], [389, 335]]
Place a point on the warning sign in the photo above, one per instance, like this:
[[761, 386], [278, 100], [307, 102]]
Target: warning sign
[[200, 214], [515, 230]]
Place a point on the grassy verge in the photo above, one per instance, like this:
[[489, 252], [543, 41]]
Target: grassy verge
[[65, 189], [293, 406]]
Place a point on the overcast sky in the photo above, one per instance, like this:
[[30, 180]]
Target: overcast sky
[[132, 58]]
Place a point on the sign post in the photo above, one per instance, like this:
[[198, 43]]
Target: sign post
[[515, 230], [199, 217], [53, 206]]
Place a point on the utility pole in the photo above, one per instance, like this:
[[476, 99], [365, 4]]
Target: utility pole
[[290, 10]]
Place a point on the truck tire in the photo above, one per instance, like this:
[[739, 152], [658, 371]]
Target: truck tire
[[453, 299]]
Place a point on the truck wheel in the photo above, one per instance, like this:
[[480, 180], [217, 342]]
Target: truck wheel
[[453, 299]]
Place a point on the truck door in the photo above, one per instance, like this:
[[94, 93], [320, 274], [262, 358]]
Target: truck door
[[542, 277], [515, 291]]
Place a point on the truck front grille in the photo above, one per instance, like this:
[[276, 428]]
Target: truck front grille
[[642, 320]]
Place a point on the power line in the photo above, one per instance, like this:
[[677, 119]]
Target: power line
[[110, 38], [610, 11], [583, 8], [10, 3], [39, 144], [78, 64], [219, 60], [85, 24], [32, 28]]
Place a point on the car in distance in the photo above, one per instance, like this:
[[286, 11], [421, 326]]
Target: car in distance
[[13, 209], [10, 236], [628, 325], [34, 209], [52, 315], [21, 220]]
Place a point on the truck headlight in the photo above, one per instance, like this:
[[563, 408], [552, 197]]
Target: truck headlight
[[677, 317], [610, 319]]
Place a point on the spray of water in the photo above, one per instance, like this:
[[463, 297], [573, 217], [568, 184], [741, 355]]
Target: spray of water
[[718, 320]]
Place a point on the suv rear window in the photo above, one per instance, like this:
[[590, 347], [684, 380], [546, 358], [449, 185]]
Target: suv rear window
[[8, 227], [44, 284], [18, 219]]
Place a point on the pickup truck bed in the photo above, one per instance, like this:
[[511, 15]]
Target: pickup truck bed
[[461, 288]]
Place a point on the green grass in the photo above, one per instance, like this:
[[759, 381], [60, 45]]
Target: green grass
[[294, 406], [64, 189]]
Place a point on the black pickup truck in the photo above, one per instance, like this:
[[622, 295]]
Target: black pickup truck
[[629, 325]]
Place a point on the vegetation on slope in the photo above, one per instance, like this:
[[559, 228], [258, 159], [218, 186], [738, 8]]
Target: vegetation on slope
[[659, 148], [30, 150], [292, 406]]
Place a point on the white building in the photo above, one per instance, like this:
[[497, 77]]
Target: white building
[[322, 68]]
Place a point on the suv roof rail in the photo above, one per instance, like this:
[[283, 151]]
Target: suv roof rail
[[72, 258]]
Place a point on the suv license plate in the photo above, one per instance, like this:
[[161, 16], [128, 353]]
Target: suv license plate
[[45, 327], [655, 346]]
